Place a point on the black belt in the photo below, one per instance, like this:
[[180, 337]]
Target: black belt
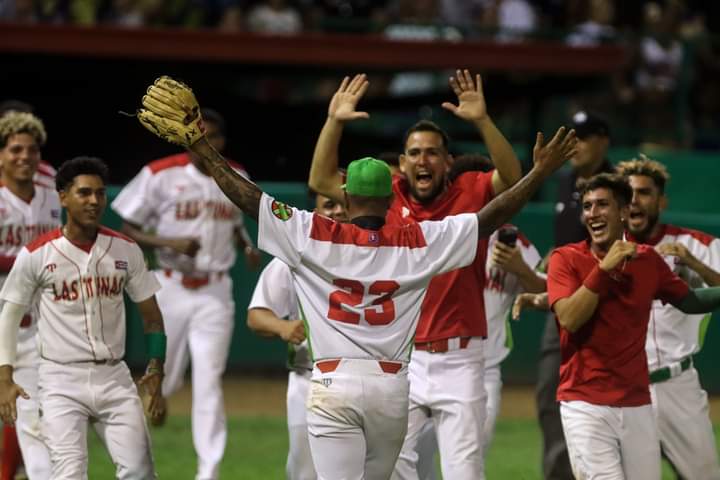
[[665, 373]]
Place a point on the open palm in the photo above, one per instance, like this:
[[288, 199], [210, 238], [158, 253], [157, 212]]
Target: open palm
[[343, 104], [471, 100]]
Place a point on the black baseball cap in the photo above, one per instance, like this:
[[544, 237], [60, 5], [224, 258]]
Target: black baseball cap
[[588, 123]]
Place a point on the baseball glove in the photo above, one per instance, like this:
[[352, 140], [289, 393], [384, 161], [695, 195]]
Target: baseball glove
[[171, 112]]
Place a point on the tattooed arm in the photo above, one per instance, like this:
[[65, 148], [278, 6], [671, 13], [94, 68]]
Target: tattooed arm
[[242, 192], [547, 159]]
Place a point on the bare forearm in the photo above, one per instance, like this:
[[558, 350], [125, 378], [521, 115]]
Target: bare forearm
[[503, 156], [242, 192], [709, 276], [144, 239], [530, 281], [264, 322], [324, 176], [502, 208], [6, 373], [152, 318], [242, 238], [575, 311]]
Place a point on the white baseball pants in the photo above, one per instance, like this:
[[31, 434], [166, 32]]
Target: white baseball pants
[[449, 389], [299, 462], [357, 416], [686, 433], [611, 443], [71, 395], [493, 387], [199, 325]]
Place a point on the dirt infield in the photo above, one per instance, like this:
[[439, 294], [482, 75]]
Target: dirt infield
[[266, 396]]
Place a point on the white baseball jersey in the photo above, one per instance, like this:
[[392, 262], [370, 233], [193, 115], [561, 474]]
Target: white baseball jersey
[[360, 290], [80, 293], [175, 198], [45, 175], [672, 334], [275, 291], [501, 288]]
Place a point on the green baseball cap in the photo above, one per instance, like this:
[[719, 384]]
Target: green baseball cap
[[368, 177]]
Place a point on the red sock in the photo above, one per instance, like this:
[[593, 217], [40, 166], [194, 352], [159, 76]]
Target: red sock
[[11, 455]]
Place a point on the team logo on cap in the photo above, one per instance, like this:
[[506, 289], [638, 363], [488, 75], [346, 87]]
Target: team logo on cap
[[282, 211]]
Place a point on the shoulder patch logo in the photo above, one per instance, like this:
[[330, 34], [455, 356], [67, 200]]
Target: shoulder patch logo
[[282, 211]]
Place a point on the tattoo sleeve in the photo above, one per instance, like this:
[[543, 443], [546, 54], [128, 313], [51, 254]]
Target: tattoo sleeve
[[242, 192], [503, 207]]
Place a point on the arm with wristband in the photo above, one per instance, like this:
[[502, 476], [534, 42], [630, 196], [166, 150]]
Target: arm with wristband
[[156, 346]]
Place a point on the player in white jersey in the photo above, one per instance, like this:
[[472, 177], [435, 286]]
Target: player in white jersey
[[359, 285], [679, 402], [195, 227], [77, 275], [274, 311], [26, 212]]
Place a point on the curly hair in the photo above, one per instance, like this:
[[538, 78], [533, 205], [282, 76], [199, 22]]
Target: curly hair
[[647, 167], [80, 166], [14, 122]]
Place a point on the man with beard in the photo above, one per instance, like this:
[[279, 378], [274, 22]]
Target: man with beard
[[447, 369], [601, 291], [681, 405]]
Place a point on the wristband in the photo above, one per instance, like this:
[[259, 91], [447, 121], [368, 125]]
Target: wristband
[[156, 345], [598, 281]]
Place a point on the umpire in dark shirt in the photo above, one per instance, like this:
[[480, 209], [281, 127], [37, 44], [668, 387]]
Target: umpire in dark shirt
[[593, 141]]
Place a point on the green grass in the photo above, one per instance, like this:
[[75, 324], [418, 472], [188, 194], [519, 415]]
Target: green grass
[[257, 447]]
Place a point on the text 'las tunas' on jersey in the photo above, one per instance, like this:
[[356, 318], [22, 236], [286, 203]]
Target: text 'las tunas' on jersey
[[360, 290]]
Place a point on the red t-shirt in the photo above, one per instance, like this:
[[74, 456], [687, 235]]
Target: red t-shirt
[[453, 305], [604, 362]]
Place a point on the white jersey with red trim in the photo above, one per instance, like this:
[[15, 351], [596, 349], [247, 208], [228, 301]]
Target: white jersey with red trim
[[80, 293], [275, 291], [45, 175], [501, 288], [672, 334], [172, 196], [360, 290]]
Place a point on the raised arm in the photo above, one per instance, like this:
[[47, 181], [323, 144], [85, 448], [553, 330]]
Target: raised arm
[[472, 108], [547, 159], [324, 176]]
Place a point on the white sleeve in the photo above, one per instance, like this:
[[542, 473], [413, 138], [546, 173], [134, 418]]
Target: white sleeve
[[275, 290], [283, 231], [530, 255], [135, 202], [451, 243], [713, 255], [10, 317], [22, 280], [141, 283]]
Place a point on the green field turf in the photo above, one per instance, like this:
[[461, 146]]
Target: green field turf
[[257, 446]]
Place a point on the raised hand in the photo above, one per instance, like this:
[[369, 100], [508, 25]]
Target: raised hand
[[534, 301], [471, 100], [677, 250], [508, 258], [620, 251], [343, 103], [551, 156]]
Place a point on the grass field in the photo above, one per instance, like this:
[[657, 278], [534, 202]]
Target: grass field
[[257, 442]]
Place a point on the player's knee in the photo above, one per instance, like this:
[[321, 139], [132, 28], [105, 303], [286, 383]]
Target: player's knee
[[141, 469]]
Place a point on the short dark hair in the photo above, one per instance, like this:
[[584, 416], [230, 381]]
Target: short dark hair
[[214, 117], [80, 166], [617, 184], [427, 126], [469, 162]]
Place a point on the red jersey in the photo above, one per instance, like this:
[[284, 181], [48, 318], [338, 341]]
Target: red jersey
[[604, 362], [453, 305]]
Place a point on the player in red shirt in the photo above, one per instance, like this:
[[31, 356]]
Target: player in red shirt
[[602, 291], [447, 368]]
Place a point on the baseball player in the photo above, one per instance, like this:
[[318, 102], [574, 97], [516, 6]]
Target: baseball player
[[360, 285], [27, 211], [680, 403], [195, 227], [78, 274], [602, 291], [274, 311], [446, 374]]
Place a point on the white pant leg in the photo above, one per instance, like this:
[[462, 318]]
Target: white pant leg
[[493, 387], [611, 443], [458, 403], [427, 447], [32, 445], [65, 400], [210, 335], [177, 307], [120, 422], [686, 433], [299, 462]]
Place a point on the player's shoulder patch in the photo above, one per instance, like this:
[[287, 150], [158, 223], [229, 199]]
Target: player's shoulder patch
[[281, 210], [179, 160], [43, 239]]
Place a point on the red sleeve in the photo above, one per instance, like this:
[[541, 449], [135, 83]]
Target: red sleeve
[[671, 288], [6, 263], [483, 186], [562, 280]]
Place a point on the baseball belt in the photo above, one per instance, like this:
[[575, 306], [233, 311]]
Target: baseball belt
[[666, 373]]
